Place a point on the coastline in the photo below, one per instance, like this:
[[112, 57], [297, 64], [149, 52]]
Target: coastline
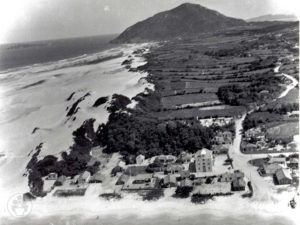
[[91, 206], [23, 107]]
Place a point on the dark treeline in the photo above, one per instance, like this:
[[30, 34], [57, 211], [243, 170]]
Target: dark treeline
[[134, 135]]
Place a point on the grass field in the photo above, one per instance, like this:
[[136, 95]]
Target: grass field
[[177, 100], [282, 131], [227, 111]]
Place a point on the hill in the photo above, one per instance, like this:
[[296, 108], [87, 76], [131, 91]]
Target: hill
[[274, 17], [184, 20]]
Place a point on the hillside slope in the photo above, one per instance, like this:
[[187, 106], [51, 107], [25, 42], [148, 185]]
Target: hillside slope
[[184, 20]]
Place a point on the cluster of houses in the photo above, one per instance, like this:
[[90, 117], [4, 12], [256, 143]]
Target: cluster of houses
[[254, 140], [188, 170], [67, 186], [220, 121], [282, 169]]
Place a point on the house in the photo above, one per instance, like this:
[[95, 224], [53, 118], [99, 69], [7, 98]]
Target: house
[[184, 174], [171, 180], [229, 177], [60, 180], [140, 159], [211, 189], [220, 149], [52, 176], [270, 169], [96, 178], [135, 170], [223, 138], [185, 158], [186, 183], [278, 160], [141, 182], [238, 184], [249, 147], [166, 159], [283, 176], [293, 163], [204, 160], [48, 185], [174, 168], [84, 178]]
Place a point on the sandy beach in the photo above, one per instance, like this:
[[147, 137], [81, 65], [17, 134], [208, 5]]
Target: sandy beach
[[35, 97]]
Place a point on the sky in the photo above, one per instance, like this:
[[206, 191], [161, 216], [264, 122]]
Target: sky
[[31, 20]]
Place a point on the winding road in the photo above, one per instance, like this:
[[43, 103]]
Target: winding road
[[262, 189]]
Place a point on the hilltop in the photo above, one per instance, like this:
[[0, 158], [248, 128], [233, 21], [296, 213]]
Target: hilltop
[[184, 20]]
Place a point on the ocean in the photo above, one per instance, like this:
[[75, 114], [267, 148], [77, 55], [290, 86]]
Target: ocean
[[25, 54]]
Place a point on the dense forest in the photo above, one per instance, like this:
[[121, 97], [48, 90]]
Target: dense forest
[[133, 135]]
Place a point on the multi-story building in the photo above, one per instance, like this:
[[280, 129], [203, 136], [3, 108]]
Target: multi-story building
[[204, 160]]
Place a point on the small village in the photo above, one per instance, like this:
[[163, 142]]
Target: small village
[[205, 174], [282, 169]]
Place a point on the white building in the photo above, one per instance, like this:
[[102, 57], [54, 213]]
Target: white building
[[204, 160], [140, 159]]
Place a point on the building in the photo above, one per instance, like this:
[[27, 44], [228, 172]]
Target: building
[[141, 182], [212, 189], [166, 159], [140, 159], [170, 180], [223, 138], [230, 177], [97, 178], [204, 160], [174, 168], [283, 176], [270, 169], [294, 163], [220, 149], [60, 180], [185, 158], [278, 160], [52, 176], [84, 178], [238, 184]]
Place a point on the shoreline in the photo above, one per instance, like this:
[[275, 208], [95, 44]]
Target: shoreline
[[91, 206]]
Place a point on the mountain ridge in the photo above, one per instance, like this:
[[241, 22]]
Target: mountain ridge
[[274, 17], [184, 20]]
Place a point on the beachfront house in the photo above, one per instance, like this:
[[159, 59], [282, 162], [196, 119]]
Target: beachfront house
[[238, 184], [141, 182], [283, 176], [212, 189], [204, 160]]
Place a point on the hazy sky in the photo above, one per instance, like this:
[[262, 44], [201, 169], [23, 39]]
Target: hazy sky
[[29, 20]]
